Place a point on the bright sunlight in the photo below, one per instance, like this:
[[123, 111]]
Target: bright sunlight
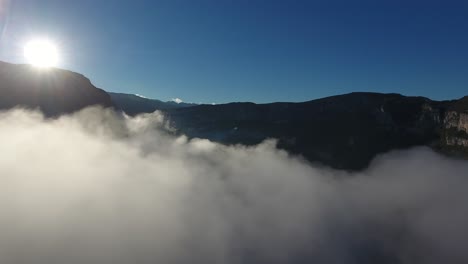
[[41, 53]]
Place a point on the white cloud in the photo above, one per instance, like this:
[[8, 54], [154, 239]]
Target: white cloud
[[177, 100], [142, 96], [98, 187]]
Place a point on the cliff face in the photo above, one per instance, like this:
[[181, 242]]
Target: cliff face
[[455, 134], [54, 91]]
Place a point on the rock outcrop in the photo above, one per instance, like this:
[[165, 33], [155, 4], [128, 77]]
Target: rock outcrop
[[455, 133]]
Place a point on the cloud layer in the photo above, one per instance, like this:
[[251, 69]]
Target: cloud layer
[[99, 187]]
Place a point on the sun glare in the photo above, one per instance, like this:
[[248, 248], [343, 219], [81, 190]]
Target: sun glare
[[41, 53]]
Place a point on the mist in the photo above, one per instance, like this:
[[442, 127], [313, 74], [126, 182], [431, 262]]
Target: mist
[[101, 187]]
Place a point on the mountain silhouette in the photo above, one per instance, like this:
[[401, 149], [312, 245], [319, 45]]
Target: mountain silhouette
[[134, 104], [53, 91]]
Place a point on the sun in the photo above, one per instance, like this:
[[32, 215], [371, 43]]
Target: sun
[[41, 53]]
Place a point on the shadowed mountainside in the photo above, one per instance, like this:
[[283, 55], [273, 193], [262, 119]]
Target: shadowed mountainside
[[344, 131], [54, 91], [133, 104]]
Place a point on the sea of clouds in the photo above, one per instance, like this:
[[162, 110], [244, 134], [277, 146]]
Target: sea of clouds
[[99, 187]]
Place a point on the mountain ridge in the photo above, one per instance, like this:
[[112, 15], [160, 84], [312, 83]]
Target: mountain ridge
[[342, 131], [134, 104], [54, 91]]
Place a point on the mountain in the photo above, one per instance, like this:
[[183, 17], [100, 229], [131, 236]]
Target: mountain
[[344, 131], [54, 91], [134, 104]]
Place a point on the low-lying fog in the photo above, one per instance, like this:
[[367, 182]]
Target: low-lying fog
[[96, 187]]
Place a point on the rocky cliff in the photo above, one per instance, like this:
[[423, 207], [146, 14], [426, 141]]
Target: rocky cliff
[[455, 133]]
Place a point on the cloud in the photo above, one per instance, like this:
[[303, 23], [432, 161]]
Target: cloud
[[99, 187], [177, 100], [142, 96]]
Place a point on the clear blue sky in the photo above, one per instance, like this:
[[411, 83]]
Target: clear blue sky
[[251, 50]]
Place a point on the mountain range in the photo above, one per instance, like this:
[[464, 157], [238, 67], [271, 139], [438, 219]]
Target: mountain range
[[134, 104], [344, 132]]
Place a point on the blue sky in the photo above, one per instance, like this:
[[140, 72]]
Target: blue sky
[[251, 50]]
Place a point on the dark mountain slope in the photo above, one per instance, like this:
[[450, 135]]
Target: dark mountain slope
[[344, 131], [133, 104], [54, 91]]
